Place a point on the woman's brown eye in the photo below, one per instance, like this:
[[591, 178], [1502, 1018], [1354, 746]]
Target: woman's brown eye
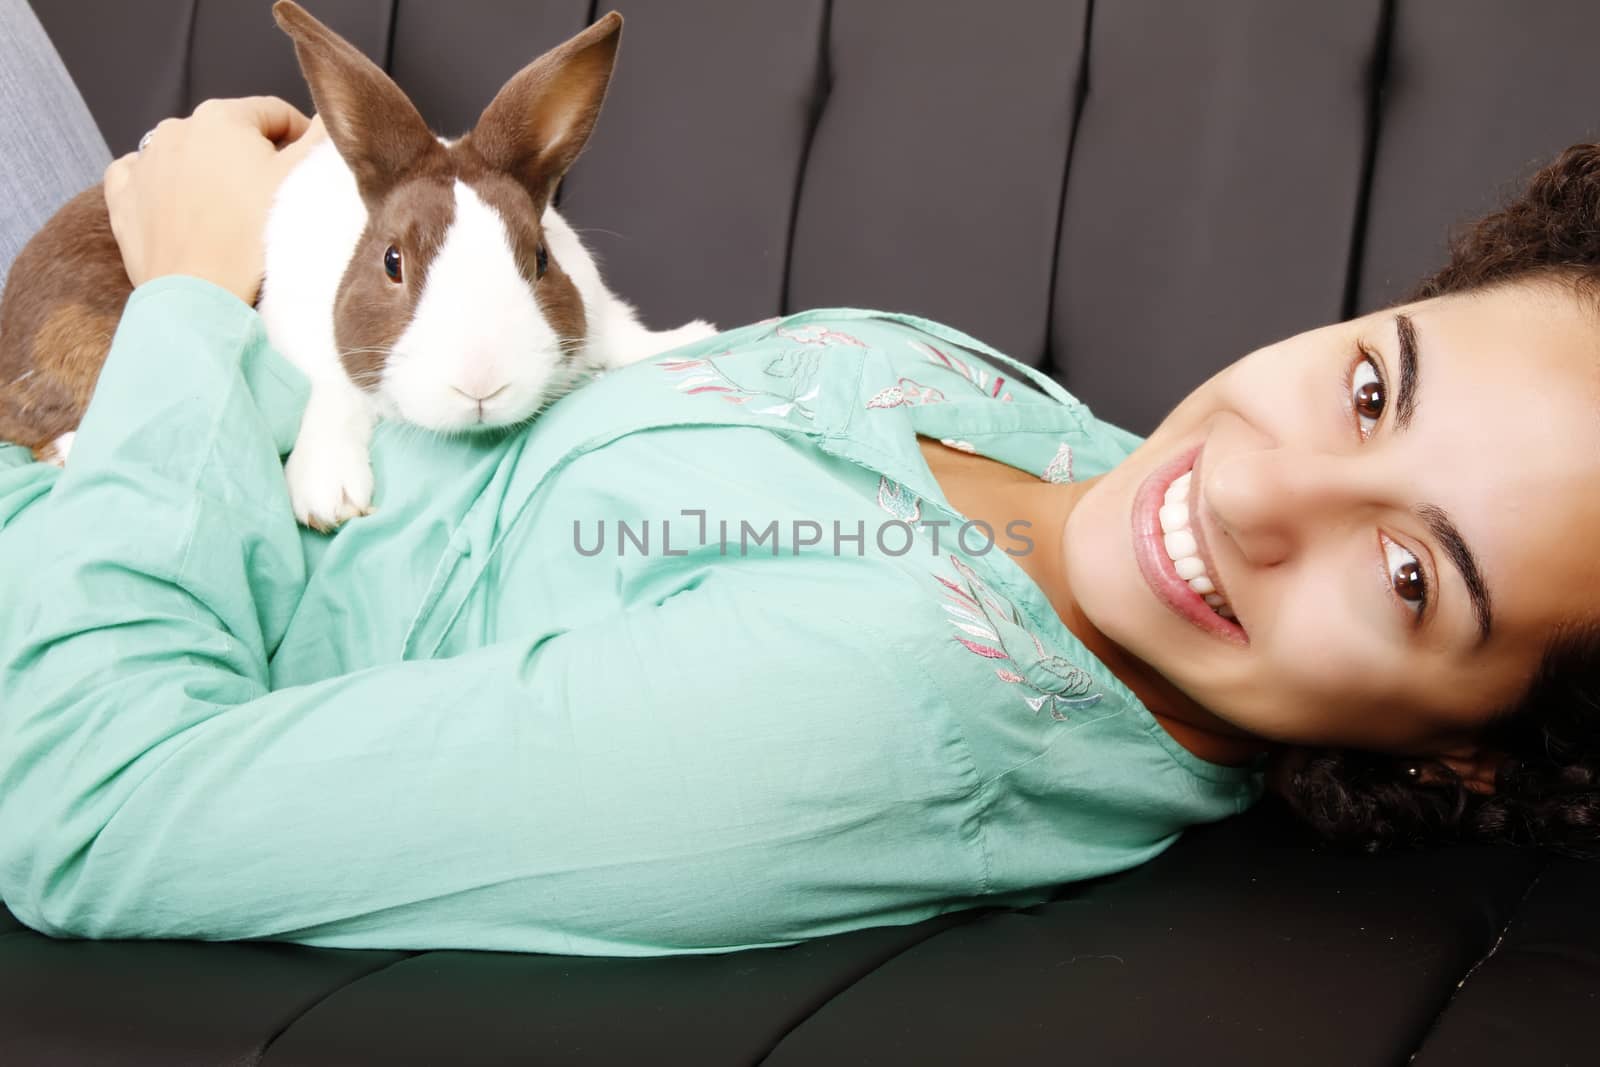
[[1369, 400], [391, 263], [1405, 575], [1367, 394], [1408, 582]]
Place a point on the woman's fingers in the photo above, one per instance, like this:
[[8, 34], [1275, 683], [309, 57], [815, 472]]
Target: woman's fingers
[[290, 154], [194, 199], [116, 175], [274, 118]]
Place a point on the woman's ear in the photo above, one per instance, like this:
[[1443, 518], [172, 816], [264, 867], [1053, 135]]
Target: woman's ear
[[1475, 765]]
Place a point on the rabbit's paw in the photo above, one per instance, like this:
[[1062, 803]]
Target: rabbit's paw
[[687, 334], [654, 342], [330, 482]]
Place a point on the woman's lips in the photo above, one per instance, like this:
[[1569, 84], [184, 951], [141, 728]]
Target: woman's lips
[[1150, 551]]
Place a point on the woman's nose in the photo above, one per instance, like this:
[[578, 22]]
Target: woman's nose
[[1269, 501]]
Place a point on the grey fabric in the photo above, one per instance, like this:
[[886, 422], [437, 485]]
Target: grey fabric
[[50, 144]]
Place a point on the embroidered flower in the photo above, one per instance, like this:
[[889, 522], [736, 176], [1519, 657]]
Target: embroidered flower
[[897, 500], [1060, 468], [906, 391], [818, 334], [796, 370], [993, 628], [891, 397], [985, 381]]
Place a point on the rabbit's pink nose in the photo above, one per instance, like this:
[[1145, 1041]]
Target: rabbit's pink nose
[[478, 393]]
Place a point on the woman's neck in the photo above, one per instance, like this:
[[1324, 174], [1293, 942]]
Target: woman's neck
[[986, 489]]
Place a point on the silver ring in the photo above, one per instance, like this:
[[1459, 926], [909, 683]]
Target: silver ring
[[144, 142]]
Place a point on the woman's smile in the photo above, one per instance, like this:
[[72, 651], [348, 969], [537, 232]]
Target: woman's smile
[[1171, 548]]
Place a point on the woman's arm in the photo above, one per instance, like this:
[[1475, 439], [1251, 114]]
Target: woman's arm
[[145, 593], [678, 777]]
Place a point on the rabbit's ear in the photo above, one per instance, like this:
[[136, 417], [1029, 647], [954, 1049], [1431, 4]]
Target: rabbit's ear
[[377, 131], [540, 120]]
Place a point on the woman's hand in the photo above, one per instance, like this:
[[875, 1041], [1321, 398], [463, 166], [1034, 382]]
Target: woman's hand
[[194, 200]]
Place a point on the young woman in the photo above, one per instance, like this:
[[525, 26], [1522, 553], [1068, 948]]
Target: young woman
[[906, 635]]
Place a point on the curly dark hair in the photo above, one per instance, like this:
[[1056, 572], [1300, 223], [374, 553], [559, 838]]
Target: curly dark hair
[[1547, 790]]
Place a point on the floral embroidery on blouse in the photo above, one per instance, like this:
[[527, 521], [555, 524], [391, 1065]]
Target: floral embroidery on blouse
[[993, 628], [985, 381], [897, 500], [907, 391], [1060, 468], [796, 370], [817, 334]]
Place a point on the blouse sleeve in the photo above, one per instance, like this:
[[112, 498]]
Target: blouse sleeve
[[707, 773]]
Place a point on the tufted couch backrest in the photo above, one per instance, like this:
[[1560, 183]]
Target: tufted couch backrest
[[1129, 193]]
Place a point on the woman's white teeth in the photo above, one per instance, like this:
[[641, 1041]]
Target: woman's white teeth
[[1181, 545], [1182, 549]]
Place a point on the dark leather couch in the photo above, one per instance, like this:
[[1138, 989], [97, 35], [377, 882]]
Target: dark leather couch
[[1131, 193]]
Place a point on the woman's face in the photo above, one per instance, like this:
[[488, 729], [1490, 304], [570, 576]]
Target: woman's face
[[1369, 497]]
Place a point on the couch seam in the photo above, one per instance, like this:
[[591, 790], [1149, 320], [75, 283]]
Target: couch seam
[[1050, 361], [1444, 1009], [389, 35], [963, 918], [186, 84], [821, 93], [1377, 87], [266, 1046]]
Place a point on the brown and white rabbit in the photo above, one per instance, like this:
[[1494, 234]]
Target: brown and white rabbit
[[408, 276]]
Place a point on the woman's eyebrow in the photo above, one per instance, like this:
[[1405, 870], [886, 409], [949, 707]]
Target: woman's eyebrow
[[1455, 546], [1410, 370], [1438, 520]]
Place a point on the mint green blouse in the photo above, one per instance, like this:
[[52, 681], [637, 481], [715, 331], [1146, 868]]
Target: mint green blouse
[[701, 660]]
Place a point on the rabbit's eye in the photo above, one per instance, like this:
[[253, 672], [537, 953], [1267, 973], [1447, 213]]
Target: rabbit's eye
[[541, 260], [391, 263]]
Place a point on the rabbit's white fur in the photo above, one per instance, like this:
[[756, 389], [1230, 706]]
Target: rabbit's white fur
[[476, 332]]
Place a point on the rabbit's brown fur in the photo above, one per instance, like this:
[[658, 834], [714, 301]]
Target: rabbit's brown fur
[[56, 326]]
